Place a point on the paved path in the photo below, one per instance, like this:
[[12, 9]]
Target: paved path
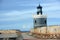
[[27, 37]]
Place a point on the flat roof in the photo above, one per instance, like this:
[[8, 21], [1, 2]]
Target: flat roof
[[9, 33]]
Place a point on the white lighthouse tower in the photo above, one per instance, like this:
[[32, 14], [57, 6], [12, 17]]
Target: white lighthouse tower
[[40, 20]]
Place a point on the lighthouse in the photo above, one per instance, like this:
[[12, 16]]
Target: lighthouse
[[40, 20]]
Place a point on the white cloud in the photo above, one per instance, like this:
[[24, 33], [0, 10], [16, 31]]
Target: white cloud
[[27, 26], [24, 26], [16, 15], [51, 6], [21, 15], [52, 9]]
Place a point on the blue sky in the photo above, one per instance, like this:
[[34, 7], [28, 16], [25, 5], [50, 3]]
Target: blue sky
[[17, 14]]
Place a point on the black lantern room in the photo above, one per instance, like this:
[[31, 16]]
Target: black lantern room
[[39, 8]]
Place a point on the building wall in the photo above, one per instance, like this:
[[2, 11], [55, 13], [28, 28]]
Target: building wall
[[40, 22], [10, 35]]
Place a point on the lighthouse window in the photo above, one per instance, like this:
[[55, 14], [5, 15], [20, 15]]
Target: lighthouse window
[[45, 21], [37, 13], [35, 21]]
